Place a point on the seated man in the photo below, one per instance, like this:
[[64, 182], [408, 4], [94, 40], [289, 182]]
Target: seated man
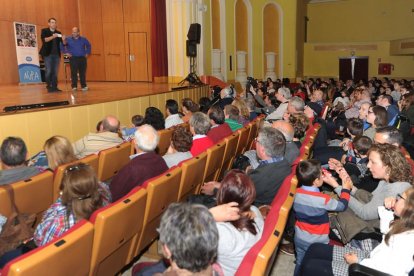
[[272, 170], [316, 102], [392, 110], [219, 129], [107, 137], [231, 113], [13, 156], [283, 95], [199, 127], [145, 165], [179, 150]]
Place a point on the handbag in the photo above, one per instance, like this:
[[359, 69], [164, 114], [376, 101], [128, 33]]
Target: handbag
[[18, 229], [349, 225]]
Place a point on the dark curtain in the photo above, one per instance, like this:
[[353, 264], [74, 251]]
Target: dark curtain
[[159, 54], [361, 69], [345, 69]]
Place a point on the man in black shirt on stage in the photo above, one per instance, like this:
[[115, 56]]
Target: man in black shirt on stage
[[50, 51]]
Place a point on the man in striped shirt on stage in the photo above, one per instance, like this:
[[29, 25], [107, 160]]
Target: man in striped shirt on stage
[[311, 206]]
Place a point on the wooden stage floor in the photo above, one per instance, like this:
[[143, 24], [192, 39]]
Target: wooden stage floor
[[99, 92]]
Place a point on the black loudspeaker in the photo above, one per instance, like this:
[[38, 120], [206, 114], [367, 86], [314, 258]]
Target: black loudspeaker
[[191, 48], [194, 33]]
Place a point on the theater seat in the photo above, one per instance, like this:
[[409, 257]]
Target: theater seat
[[117, 229], [112, 160], [259, 259], [165, 140], [243, 139], [162, 191], [68, 255], [229, 153], [254, 127], [191, 178], [214, 162], [92, 160], [31, 196]]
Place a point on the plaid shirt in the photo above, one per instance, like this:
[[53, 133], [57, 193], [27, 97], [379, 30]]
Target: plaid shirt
[[58, 219], [271, 160]]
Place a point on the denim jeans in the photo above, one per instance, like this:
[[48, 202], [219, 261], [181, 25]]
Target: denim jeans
[[52, 70]]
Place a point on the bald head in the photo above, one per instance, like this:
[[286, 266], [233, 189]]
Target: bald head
[[110, 123], [285, 128], [75, 32]]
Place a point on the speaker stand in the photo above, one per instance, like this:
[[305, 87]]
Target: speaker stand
[[192, 78]]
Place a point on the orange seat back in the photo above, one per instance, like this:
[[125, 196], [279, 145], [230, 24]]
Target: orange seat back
[[214, 162], [229, 153], [117, 228], [165, 140], [191, 179], [92, 160], [68, 255], [31, 196], [243, 139], [254, 127], [162, 191], [112, 160]]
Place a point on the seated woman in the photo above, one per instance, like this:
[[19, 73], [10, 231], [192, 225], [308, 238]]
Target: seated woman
[[238, 236], [243, 111], [199, 126], [300, 125], [393, 256], [179, 150], [154, 117], [58, 150], [377, 117], [81, 194], [387, 164]]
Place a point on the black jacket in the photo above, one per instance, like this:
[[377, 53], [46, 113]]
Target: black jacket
[[47, 46]]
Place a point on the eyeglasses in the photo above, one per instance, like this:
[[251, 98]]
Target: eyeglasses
[[399, 196]]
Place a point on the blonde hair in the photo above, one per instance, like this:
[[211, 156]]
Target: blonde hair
[[59, 151], [242, 107]]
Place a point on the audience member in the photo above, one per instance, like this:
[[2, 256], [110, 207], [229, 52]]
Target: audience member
[[283, 95], [300, 123], [106, 138], [231, 114], [145, 165], [251, 106], [244, 113], [199, 127], [226, 96], [360, 97], [377, 117], [311, 206], [81, 195], [219, 128], [238, 236], [154, 117], [394, 256], [13, 154], [204, 104], [188, 107], [291, 151], [392, 110], [363, 114], [173, 118], [179, 150], [59, 151], [128, 133], [388, 135], [272, 169]]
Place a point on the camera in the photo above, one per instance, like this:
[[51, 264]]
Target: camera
[[250, 82]]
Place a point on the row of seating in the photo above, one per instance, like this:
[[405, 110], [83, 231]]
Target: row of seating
[[125, 228], [260, 258]]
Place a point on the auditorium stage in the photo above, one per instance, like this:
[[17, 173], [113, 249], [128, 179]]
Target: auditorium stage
[[121, 99], [99, 92]]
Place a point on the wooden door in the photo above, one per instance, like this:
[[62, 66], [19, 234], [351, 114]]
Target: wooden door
[[138, 56], [114, 46]]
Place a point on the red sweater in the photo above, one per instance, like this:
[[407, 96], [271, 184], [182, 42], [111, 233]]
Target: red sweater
[[200, 145], [219, 132]]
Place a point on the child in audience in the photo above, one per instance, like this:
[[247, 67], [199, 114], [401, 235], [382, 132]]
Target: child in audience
[[128, 133], [393, 256], [311, 206]]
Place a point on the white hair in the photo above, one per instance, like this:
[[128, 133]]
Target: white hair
[[146, 138]]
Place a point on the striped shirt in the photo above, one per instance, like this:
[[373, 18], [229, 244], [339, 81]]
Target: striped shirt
[[311, 209]]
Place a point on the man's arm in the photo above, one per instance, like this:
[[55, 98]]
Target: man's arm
[[88, 47]]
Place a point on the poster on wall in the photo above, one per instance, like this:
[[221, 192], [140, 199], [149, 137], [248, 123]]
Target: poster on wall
[[27, 52]]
